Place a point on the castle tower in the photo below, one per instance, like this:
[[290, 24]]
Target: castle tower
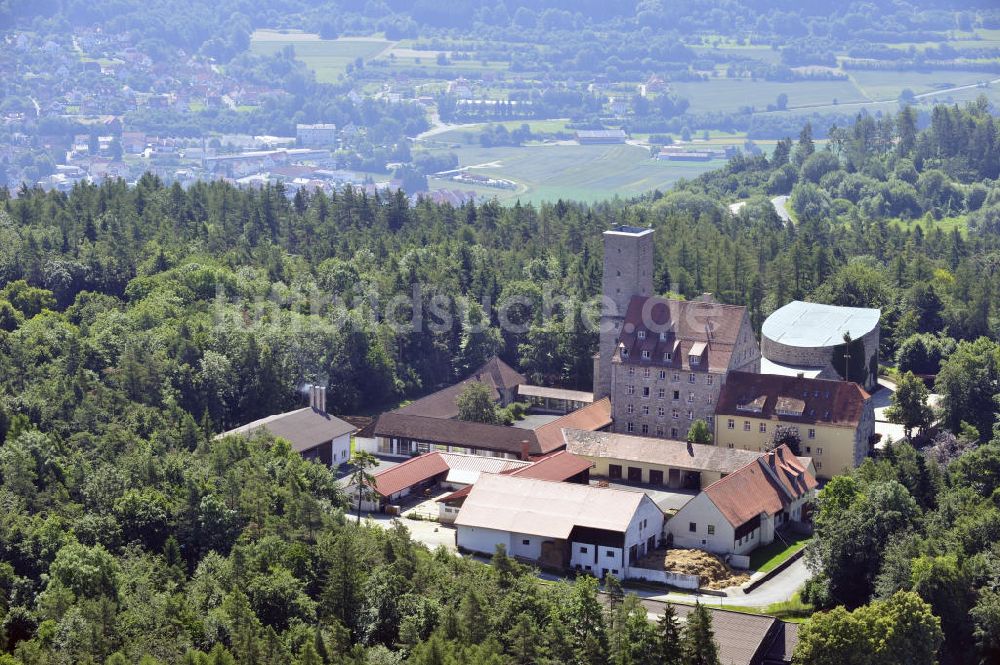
[[628, 272]]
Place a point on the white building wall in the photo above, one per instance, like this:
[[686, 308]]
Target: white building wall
[[526, 546], [479, 539], [341, 449], [367, 444], [703, 513], [649, 514]]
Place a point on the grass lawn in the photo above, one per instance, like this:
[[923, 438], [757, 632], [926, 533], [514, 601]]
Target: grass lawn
[[578, 172], [888, 84], [767, 558], [946, 224], [794, 610], [327, 57]]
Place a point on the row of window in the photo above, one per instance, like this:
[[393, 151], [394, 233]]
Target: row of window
[[584, 550], [762, 427], [661, 393], [819, 451], [644, 428], [661, 412], [647, 373]]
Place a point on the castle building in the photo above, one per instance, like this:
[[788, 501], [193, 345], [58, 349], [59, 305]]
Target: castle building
[[663, 362]]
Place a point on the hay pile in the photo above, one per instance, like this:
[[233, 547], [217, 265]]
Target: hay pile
[[714, 572]]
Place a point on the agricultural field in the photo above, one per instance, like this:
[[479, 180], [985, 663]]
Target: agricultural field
[[722, 94], [327, 57], [580, 172]]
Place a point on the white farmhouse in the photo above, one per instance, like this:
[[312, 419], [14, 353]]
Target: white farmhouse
[[559, 525], [740, 512]]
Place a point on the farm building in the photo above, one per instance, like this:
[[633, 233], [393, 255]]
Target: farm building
[[741, 512], [313, 432], [561, 525], [597, 136]]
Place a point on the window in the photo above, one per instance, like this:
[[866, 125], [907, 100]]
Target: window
[[690, 398], [731, 424], [645, 373], [819, 451], [673, 432], [763, 428], [709, 379], [645, 355], [676, 414], [710, 399], [645, 391], [645, 409], [526, 542], [645, 428], [660, 411], [614, 470], [808, 449], [609, 553], [667, 357], [583, 550], [677, 395], [812, 434], [630, 427], [663, 375], [819, 465], [629, 390], [631, 371], [692, 378], [692, 527], [694, 361], [641, 334], [676, 377], [659, 430], [728, 446], [690, 414], [746, 425], [624, 353], [663, 336], [711, 529], [661, 393], [629, 408]]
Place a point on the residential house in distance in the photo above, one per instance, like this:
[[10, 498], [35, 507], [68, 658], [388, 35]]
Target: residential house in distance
[[835, 420], [808, 338], [663, 362], [740, 512], [316, 136], [559, 525], [313, 432]]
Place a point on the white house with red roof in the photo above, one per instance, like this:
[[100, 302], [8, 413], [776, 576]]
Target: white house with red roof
[[741, 511]]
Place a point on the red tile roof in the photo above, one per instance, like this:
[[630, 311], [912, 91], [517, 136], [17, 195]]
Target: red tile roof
[[494, 374], [691, 327], [558, 467], [777, 397], [766, 485], [590, 418], [409, 473]]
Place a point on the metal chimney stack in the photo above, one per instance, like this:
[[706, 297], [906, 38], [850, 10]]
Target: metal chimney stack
[[321, 391]]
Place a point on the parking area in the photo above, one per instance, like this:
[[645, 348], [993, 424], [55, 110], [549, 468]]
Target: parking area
[[431, 534], [669, 500]]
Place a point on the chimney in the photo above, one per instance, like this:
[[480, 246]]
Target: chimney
[[524, 451], [707, 297], [800, 375], [322, 398], [313, 396]]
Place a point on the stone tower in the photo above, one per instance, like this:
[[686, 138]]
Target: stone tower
[[628, 271]]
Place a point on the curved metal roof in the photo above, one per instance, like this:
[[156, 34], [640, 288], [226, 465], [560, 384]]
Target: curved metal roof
[[810, 324]]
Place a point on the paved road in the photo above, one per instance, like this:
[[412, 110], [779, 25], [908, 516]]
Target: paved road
[[780, 204]]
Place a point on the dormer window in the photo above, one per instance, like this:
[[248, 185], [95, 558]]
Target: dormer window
[[646, 355], [641, 334], [663, 337], [694, 360], [667, 357], [624, 353]]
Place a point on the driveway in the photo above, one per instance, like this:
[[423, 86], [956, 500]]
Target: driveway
[[431, 534]]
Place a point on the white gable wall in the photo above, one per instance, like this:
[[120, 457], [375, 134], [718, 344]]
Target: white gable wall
[[702, 513], [482, 540], [341, 450]]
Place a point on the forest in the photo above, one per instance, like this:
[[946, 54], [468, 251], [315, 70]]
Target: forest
[[137, 321]]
